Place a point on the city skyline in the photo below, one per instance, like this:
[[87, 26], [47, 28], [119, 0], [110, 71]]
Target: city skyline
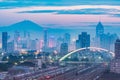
[[59, 39]]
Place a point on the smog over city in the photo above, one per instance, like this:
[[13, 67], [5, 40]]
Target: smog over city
[[59, 39]]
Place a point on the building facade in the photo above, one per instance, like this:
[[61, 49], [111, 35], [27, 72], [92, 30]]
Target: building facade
[[63, 49], [4, 41], [83, 40], [115, 64]]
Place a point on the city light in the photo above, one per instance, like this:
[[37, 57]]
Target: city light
[[59, 39]]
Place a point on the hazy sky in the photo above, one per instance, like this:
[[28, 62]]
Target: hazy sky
[[56, 13]]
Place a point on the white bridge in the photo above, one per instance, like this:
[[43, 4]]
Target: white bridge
[[88, 54]]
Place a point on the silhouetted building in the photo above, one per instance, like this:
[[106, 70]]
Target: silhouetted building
[[99, 33], [99, 29], [4, 41], [10, 47], [83, 40], [117, 48], [16, 40], [115, 64], [52, 42], [63, 49], [105, 41], [67, 38], [45, 40], [58, 43], [33, 45]]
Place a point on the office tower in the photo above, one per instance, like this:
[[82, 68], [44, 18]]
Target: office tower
[[16, 36], [58, 43], [78, 44], [41, 44], [16, 40], [114, 37], [67, 38], [37, 44], [33, 45], [99, 29], [99, 33], [105, 41], [45, 39], [117, 48], [10, 47], [63, 49], [115, 64], [4, 41], [83, 40], [52, 42], [23, 43]]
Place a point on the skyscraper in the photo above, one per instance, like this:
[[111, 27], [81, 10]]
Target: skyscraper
[[45, 39], [10, 47], [117, 48], [99, 29], [58, 43], [63, 49], [52, 42], [4, 41], [16, 39], [99, 33], [115, 63], [67, 38], [83, 40], [105, 41], [16, 36], [33, 45]]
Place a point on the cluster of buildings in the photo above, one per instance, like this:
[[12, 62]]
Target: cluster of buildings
[[104, 40], [61, 45]]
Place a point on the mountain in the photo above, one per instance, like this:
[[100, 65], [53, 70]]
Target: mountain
[[29, 26], [25, 25]]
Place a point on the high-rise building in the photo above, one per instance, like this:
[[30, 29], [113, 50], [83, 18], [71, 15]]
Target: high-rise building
[[99, 33], [117, 48], [115, 64], [78, 44], [16, 40], [105, 41], [63, 49], [33, 45], [16, 36], [45, 39], [83, 40], [58, 43], [99, 29], [52, 42], [67, 38], [41, 44], [10, 47], [4, 41]]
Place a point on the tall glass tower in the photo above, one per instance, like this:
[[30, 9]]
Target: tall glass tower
[[45, 39], [4, 41], [99, 29]]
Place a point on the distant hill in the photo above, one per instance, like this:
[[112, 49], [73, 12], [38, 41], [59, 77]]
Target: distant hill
[[25, 25], [29, 26]]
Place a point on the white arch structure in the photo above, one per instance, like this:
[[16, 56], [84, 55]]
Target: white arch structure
[[93, 48]]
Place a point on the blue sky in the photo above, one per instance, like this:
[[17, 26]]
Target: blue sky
[[60, 12]]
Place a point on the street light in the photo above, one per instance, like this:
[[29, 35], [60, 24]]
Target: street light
[[2, 54], [7, 57]]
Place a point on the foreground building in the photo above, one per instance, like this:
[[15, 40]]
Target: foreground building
[[115, 64]]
